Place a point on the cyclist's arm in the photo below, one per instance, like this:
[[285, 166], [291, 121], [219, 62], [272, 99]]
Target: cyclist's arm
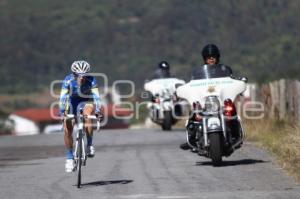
[[64, 97], [96, 98], [96, 95]]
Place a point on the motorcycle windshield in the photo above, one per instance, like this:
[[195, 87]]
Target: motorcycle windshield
[[211, 71]]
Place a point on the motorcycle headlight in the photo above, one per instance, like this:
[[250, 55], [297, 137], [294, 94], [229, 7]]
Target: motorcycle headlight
[[213, 123], [212, 104]]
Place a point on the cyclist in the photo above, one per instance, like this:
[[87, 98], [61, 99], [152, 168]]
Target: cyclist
[[79, 92]]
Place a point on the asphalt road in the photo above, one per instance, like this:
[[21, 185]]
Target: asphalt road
[[134, 164]]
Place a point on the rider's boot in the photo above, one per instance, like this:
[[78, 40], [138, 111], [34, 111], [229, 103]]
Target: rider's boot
[[235, 130], [192, 136], [185, 146]]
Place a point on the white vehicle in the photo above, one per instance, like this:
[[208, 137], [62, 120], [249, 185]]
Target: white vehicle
[[214, 128], [53, 129], [162, 108]]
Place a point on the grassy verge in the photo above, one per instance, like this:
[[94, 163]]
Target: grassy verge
[[280, 138]]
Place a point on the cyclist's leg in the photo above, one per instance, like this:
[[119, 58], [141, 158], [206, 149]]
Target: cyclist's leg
[[68, 138], [89, 110], [68, 130]]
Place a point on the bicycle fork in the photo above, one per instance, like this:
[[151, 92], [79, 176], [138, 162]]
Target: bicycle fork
[[79, 138]]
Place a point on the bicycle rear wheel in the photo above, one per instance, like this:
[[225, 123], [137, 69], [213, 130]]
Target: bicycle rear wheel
[[79, 160]]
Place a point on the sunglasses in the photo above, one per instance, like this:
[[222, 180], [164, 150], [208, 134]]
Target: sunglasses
[[211, 58], [79, 75]]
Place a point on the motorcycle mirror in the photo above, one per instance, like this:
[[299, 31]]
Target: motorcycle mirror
[[244, 79], [178, 85]]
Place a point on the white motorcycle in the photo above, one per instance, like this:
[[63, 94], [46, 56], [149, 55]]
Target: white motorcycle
[[162, 106], [214, 128]]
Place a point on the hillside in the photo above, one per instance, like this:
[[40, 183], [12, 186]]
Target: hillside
[[126, 38]]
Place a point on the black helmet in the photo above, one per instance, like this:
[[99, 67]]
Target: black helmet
[[164, 65], [211, 50]]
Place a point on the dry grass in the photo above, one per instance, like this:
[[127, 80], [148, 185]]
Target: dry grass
[[281, 139]]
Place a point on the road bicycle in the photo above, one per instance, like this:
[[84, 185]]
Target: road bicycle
[[80, 155]]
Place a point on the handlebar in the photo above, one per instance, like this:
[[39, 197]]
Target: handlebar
[[72, 116], [93, 117]]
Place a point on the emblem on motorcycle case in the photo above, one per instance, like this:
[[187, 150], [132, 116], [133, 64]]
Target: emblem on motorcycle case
[[211, 89]]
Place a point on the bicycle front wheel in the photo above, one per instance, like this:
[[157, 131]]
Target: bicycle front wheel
[[79, 160]]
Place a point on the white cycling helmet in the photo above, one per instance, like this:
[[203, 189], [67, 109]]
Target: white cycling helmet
[[80, 67]]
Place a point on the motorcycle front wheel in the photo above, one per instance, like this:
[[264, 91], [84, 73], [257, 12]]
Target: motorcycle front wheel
[[215, 148], [79, 156], [167, 122]]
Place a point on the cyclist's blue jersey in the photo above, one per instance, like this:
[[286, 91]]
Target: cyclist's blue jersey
[[73, 94]]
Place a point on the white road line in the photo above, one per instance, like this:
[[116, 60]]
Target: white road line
[[172, 197], [140, 196]]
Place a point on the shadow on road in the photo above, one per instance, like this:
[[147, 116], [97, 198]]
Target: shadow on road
[[102, 183], [233, 162]]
